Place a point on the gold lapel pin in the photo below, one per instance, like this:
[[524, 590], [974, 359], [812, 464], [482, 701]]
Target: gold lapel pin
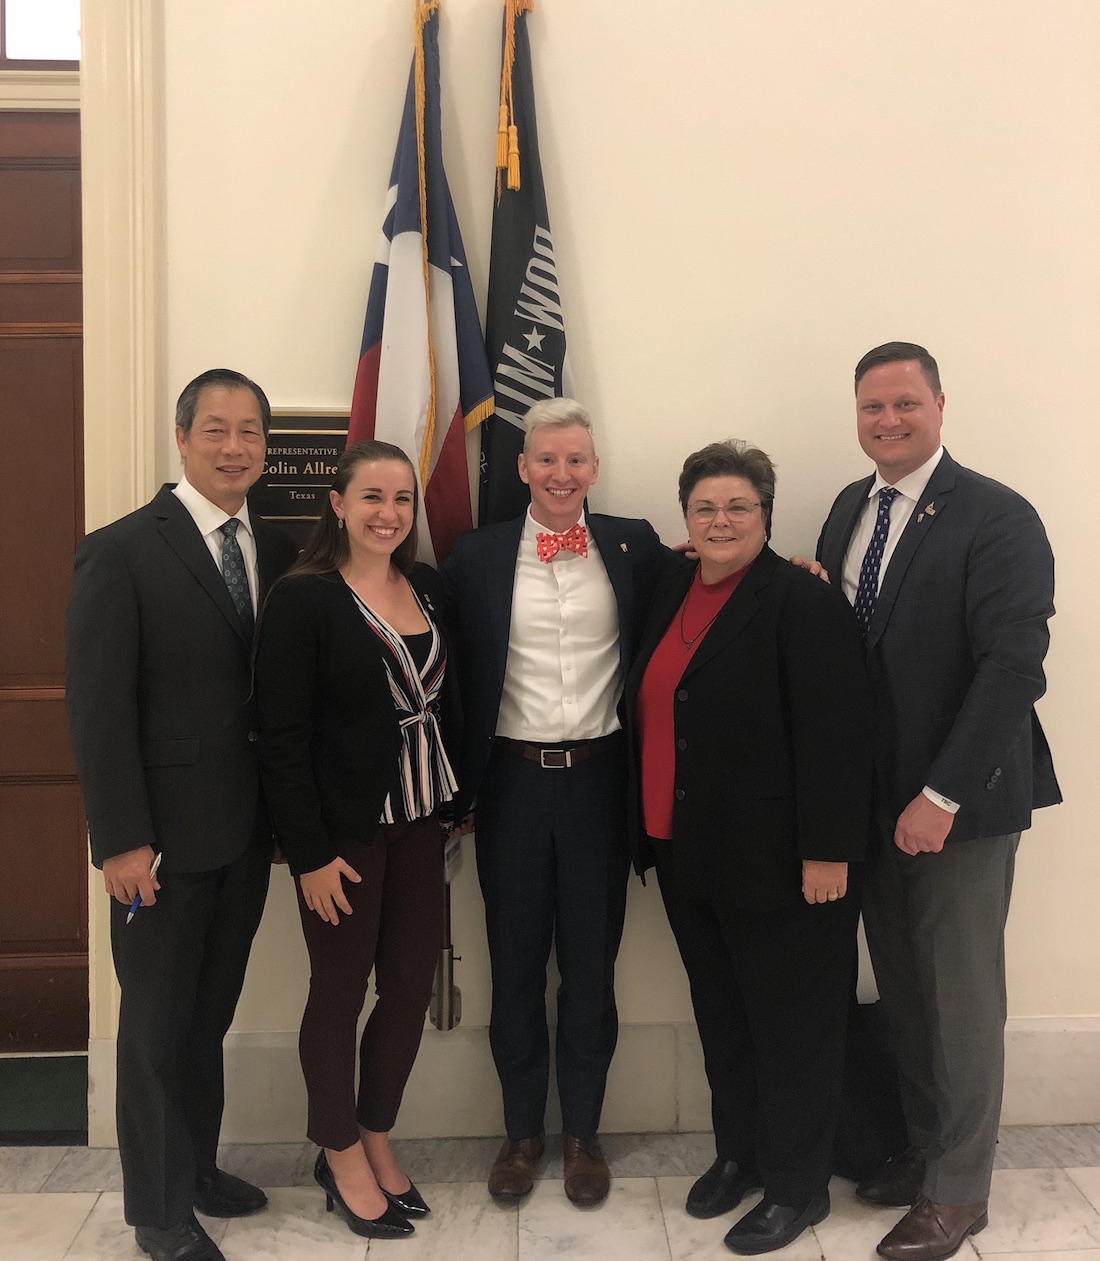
[[623, 546], [930, 510]]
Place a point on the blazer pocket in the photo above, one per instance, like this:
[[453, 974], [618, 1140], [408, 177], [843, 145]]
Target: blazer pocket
[[170, 752]]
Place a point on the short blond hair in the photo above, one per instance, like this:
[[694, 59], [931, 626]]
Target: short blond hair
[[556, 413]]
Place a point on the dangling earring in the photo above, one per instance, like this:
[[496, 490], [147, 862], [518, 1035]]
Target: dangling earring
[[339, 523]]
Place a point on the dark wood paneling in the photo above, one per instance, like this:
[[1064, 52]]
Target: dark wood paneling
[[34, 736], [44, 299], [44, 893], [44, 1004], [39, 134], [40, 385], [40, 211]]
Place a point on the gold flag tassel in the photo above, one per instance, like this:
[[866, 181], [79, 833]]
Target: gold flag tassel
[[507, 131]]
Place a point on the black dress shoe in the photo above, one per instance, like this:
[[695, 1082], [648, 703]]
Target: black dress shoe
[[898, 1183], [185, 1242], [222, 1195], [724, 1185], [408, 1203], [769, 1225], [390, 1225]]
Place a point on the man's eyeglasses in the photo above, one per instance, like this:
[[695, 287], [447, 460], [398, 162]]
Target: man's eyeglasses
[[738, 510]]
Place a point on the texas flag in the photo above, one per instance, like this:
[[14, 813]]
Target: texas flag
[[423, 381]]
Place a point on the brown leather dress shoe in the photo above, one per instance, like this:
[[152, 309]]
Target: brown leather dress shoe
[[933, 1232], [898, 1183], [513, 1173], [587, 1177]]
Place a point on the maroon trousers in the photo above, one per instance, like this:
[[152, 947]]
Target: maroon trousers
[[396, 930]]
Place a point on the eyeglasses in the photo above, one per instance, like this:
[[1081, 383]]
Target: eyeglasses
[[738, 510]]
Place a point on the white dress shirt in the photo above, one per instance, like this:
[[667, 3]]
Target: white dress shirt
[[209, 518], [562, 681], [910, 490]]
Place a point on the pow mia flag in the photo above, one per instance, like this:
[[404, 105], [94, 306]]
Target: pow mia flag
[[524, 326]]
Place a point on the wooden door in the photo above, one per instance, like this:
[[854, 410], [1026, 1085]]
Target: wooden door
[[43, 849]]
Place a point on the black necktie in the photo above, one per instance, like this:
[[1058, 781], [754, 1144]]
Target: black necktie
[[235, 574], [867, 591]]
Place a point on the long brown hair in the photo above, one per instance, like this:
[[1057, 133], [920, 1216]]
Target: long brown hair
[[327, 547]]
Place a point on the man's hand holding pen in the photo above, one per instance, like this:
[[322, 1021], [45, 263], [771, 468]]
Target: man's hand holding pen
[[130, 875]]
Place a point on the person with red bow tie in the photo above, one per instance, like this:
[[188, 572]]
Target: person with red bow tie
[[547, 610]]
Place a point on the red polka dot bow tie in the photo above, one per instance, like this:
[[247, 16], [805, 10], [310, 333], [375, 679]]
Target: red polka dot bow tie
[[574, 540]]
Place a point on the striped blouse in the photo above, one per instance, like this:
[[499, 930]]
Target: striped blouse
[[425, 777]]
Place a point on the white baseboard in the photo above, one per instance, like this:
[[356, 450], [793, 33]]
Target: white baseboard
[[656, 1083]]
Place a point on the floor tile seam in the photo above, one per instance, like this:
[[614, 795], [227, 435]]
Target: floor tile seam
[[80, 1228]]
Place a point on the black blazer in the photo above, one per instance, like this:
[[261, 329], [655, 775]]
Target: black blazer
[[329, 736], [158, 688], [478, 580], [773, 730], [955, 650]]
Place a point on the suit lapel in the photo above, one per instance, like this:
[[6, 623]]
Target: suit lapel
[[666, 602], [499, 577], [265, 558], [848, 512], [919, 526], [615, 554], [180, 532], [738, 611]]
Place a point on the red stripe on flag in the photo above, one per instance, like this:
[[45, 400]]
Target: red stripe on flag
[[447, 495], [364, 398]]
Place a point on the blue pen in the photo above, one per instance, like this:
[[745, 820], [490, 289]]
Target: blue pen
[[137, 899]]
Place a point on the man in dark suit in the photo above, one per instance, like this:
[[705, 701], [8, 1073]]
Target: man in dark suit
[[547, 609], [158, 688], [952, 578]]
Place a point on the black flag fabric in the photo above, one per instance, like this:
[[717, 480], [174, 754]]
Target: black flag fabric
[[524, 326]]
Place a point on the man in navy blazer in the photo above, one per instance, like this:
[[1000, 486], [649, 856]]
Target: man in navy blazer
[[952, 578], [158, 646], [547, 611]]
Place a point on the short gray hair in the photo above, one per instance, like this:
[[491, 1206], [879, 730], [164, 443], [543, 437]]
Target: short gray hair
[[556, 413]]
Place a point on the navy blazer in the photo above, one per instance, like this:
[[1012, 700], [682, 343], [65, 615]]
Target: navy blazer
[[773, 725], [478, 581], [158, 687], [955, 649], [329, 735]]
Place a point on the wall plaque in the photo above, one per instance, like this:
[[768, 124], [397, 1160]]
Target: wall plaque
[[302, 450]]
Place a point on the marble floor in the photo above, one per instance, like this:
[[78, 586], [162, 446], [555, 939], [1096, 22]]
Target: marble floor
[[65, 1204]]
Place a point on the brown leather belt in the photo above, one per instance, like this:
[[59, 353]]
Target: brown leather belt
[[556, 758]]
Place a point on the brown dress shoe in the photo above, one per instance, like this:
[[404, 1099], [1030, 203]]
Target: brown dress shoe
[[933, 1232], [513, 1173], [898, 1183], [587, 1177]]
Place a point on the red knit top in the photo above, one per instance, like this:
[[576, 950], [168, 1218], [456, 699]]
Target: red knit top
[[653, 711]]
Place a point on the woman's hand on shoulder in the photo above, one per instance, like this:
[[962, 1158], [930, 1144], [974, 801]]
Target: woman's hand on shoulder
[[323, 889], [823, 882]]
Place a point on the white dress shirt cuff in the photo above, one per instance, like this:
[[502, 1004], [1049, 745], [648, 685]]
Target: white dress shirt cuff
[[944, 803]]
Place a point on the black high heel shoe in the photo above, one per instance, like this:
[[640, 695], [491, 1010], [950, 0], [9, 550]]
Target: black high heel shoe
[[410, 1203], [391, 1225]]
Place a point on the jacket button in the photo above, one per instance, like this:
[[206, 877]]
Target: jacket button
[[679, 794], [682, 695], [681, 744], [992, 784], [253, 736]]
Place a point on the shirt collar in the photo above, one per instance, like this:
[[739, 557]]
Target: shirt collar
[[531, 527], [912, 484], [207, 516]]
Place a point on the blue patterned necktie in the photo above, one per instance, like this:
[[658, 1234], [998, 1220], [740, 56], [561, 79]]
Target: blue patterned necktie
[[235, 574], [867, 591]]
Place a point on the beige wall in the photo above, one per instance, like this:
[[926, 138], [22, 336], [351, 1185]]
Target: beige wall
[[744, 199]]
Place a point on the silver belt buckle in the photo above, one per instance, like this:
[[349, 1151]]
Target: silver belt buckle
[[565, 764]]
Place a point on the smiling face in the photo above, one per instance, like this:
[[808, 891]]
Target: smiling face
[[725, 525], [898, 418], [377, 508], [223, 451], [559, 465]]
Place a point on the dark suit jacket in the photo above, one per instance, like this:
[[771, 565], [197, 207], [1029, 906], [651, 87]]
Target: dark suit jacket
[[955, 650], [329, 736], [773, 737], [159, 689], [479, 577]]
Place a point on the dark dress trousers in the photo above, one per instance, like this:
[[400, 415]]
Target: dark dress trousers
[[772, 722], [163, 725], [329, 747], [955, 651], [551, 844]]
